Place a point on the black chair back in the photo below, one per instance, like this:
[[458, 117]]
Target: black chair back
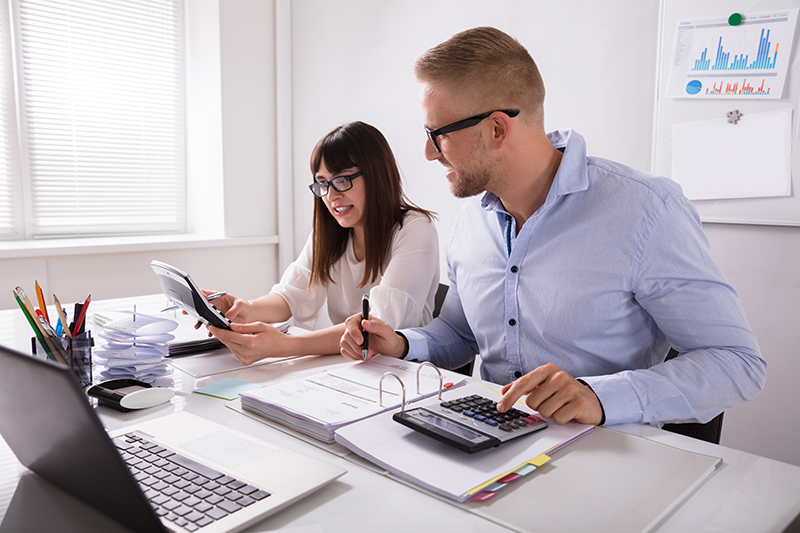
[[438, 300]]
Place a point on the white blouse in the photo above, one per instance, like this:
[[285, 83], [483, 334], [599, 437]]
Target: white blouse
[[402, 297]]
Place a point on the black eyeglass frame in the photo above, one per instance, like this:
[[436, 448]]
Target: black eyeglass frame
[[348, 181], [464, 124]]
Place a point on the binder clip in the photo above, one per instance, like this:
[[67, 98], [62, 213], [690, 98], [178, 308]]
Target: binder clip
[[128, 394]]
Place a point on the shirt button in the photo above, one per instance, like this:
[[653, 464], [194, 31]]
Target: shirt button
[[512, 322], [514, 269], [517, 374], [508, 217]]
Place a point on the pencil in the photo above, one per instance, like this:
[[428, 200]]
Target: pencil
[[36, 329], [42, 304], [20, 292], [81, 316], [62, 316]]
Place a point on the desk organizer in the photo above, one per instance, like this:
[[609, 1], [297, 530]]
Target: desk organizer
[[76, 353]]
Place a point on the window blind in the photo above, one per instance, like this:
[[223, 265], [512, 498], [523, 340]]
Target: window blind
[[103, 115], [10, 199]]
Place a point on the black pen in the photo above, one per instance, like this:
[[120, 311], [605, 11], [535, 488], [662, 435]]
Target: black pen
[[365, 316]]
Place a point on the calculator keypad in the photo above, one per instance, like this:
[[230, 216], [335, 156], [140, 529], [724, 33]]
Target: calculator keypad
[[484, 410]]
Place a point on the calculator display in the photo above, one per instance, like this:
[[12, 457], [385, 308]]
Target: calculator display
[[471, 423], [452, 427]]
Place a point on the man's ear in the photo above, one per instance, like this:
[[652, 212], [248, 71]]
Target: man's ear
[[501, 129]]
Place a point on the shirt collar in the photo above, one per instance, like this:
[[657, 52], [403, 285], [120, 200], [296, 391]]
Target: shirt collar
[[572, 175]]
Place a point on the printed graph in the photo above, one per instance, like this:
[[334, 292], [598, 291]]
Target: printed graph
[[714, 59], [766, 56]]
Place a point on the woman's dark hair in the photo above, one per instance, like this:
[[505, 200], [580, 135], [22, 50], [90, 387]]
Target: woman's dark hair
[[357, 144]]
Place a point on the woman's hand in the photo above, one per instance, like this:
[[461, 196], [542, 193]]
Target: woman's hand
[[235, 309], [251, 342]]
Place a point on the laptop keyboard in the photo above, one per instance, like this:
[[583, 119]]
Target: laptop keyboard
[[187, 493]]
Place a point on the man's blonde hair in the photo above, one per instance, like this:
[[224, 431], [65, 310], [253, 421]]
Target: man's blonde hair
[[486, 67]]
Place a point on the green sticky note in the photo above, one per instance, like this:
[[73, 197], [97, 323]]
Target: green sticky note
[[227, 389]]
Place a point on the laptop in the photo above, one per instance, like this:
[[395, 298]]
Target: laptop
[[178, 472]]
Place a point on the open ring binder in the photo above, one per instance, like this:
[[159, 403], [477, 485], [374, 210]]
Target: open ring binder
[[441, 379], [402, 386]]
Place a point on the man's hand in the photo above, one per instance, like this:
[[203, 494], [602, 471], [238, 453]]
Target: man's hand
[[554, 394], [251, 342], [382, 338]]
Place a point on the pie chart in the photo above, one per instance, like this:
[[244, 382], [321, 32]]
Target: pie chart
[[694, 86]]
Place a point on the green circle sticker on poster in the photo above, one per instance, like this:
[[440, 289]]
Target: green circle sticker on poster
[[735, 19]]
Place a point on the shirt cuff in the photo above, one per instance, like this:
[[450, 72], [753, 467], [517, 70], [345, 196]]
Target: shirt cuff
[[417, 345], [620, 403]]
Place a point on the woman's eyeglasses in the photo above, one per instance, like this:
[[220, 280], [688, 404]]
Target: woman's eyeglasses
[[340, 184]]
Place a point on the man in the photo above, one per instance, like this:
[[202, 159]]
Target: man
[[566, 266]]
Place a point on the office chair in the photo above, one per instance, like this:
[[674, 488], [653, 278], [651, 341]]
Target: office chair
[[711, 431], [438, 300]]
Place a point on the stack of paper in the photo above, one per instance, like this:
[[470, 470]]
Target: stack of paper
[[445, 470], [320, 404], [134, 347]]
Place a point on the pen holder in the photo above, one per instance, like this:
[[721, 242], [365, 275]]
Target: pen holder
[[76, 353]]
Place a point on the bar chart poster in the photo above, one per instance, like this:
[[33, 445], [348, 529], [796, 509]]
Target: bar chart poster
[[735, 56]]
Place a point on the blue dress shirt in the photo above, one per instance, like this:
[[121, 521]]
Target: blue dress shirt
[[609, 273]]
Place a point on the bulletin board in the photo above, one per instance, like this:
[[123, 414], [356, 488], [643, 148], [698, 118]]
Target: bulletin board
[[669, 111]]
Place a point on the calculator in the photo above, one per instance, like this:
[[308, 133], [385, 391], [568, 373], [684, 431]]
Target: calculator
[[471, 423]]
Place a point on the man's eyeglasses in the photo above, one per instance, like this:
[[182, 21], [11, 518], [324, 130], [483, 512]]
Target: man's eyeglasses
[[340, 184], [463, 124]]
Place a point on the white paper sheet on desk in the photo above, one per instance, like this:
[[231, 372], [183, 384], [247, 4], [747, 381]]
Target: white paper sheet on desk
[[348, 394], [439, 467], [714, 159]]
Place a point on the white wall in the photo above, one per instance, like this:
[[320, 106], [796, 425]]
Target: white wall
[[352, 60]]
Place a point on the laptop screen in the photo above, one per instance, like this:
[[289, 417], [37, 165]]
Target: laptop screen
[[48, 423]]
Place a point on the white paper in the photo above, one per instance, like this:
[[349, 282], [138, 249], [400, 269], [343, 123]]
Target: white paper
[[715, 159], [351, 393], [713, 60], [139, 324], [439, 467]]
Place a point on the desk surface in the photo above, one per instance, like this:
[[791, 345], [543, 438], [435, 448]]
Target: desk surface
[[747, 493]]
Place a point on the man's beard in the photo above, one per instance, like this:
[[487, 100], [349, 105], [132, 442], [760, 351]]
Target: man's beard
[[474, 180]]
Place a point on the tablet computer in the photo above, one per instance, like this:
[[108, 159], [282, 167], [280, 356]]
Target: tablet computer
[[182, 291]]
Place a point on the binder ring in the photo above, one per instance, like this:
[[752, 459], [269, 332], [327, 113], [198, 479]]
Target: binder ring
[[441, 379], [402, 386]]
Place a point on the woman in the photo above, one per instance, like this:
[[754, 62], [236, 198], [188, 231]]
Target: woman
[[367, 238]]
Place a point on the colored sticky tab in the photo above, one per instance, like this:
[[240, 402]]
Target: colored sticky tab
[[510, 477], [539, 461], [524, 470], [494, 487], [482, 496]]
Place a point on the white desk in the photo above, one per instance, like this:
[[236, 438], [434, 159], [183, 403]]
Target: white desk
[[747, 493]]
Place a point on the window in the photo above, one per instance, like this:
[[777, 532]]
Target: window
[[101, 119]]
